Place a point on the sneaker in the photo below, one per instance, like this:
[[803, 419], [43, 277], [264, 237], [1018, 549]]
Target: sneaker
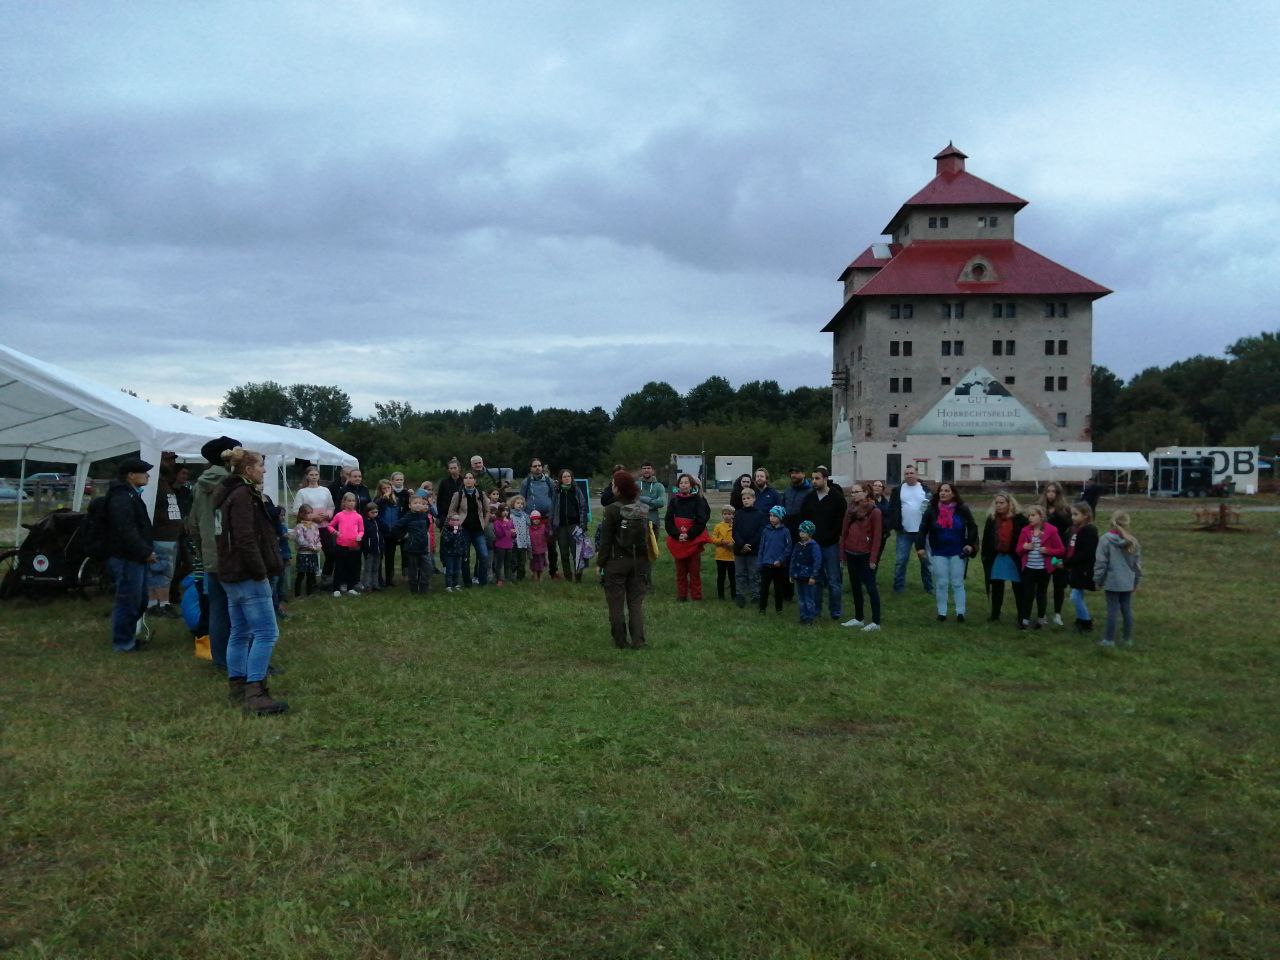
[[855, 622], [942, 618], [337, 593], [1105, 643], [959, 618], [1042, 622], [870, 628], [1024, 624], [354, 591]]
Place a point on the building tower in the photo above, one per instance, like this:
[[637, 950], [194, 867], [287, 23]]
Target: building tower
[[957, 348]]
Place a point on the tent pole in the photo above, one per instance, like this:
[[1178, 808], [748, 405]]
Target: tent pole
[[22, 483], [82, 477]]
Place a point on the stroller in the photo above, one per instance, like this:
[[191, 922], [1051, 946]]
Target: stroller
[[52, 558]]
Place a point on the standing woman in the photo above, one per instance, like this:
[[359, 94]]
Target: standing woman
[[624, 560], [1000, 551], [470, 511], [320, 500], [951, 535], [1038, 546], [880, 500], [861, 539], [1082, 550], [686, 524], [1057, 513], [389, 514], [248, 559], [735, 495]]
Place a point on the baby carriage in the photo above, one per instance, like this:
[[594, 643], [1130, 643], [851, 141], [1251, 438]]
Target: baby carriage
[[52, 558]]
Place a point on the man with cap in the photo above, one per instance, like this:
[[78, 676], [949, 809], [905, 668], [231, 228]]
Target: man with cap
[[129, 551], [203, 535]]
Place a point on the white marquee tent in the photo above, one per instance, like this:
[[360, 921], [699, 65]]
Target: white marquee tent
[[1088, 460], [49, 413]]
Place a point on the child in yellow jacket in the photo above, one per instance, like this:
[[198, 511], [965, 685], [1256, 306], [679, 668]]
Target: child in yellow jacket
[[722, 537]]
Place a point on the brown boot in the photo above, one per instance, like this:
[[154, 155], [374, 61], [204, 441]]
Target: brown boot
[[235, 691], [257, 699]]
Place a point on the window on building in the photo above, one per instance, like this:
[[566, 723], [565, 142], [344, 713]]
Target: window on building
[[1062, 383], [893, 419], [953, 311], [1058, 309], [1005, 309], [943, 223], [906, 348], [1062, 419], [982, 221], [993, 454], [895, 348], [946, 381], [1049, 347], [996, 474], [868, 426], [1062, 310], [859, 389], [997, 348], [1007, 454], [893, 384], [906, 227], [993, 221], [909, 311], [1008, 348], [906, 384], [933, 223], [1009, 380], [1048, 384], [859, 353], [957, 348], [895, 311], [1062, 348], [946, 348], [901, 311]]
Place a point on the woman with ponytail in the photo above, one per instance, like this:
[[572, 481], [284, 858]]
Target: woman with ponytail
[[248, 559]]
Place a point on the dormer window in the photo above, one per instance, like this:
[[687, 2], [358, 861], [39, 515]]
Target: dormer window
[[939, 223], [978, 270]]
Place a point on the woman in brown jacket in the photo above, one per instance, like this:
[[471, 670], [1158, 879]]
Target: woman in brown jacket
[[861, 540], [248, 557]]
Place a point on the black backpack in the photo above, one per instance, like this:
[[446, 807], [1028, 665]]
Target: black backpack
[[96, 533], [633, 537]]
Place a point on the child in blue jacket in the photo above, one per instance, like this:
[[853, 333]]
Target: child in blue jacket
[[806, 561], [774, 557]]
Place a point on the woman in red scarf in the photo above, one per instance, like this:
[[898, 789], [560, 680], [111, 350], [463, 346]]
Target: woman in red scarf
[[686, 523]]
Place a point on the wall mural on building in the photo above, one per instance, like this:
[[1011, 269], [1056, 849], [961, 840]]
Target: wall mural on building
[[842, 439], [981, 406]]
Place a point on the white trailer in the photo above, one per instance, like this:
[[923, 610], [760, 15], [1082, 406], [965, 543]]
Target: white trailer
[[729, 469], [1235, 465]]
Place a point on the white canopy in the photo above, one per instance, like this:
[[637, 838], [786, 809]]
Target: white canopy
[[1089, 460], [49, 413]]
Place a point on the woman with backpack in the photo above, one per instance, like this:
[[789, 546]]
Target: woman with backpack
[[623, 559]]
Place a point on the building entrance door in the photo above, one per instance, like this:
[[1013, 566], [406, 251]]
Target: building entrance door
[[948, 471], [892, 469]]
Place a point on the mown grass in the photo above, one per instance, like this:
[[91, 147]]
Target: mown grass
[[483, 775]]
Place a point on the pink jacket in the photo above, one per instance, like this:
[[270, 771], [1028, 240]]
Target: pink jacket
[[504, 534], [349, 527], [1050, 545], [537, 539]]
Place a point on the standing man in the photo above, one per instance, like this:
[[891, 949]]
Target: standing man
[[204, 540], [539, 491], [129, 551], [824, 506], [906, 508], [449, 485], [793, 499]]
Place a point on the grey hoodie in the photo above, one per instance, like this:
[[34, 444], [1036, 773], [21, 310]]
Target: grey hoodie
[[200, 519], [1115, 569]]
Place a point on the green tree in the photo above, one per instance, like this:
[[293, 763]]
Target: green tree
[[571, 438], [266, 402], [1105, 389], [653, 405], [393, 413], [711, 401], [319, 408], [1255, 374]]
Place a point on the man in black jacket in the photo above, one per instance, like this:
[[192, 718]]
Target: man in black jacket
[[129, 551], [824, 505]]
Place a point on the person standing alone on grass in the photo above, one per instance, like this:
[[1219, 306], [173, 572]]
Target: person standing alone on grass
[[861, 535], [906, 508], [248, 558], [624, 560], [824, 506], [129, 551], [1117, 569]]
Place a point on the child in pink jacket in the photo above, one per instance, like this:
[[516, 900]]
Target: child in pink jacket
[[1039, 550], [348, 528]]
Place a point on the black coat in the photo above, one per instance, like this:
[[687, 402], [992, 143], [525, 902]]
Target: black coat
[[826, 514], [695, 507], [1079, 565], [129, 523]]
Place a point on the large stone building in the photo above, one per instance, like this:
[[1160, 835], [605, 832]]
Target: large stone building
[[957, 348]]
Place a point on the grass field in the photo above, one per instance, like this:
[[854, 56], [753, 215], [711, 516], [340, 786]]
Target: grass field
[[483, 775]]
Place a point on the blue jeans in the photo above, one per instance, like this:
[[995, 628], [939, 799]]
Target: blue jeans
[[747, 575], [829, 576], [1082, 610], [131, 599], [219, 620], [808, 596], [160, 573], [905, 546], [253, 629], [948, 572], [477, 541], [453, 570], [1119, 607]]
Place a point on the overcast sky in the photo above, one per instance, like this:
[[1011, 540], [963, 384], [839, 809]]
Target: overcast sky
[[453, 203]]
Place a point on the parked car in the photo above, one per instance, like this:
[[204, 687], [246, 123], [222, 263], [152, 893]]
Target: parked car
[[9, 492], [56, 482]]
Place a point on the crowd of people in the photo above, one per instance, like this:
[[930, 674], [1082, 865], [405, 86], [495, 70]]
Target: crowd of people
[[478, 527]]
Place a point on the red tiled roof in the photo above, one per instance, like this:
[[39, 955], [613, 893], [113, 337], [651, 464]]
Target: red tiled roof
[[869, 261], [959, 189], [932, 268]]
